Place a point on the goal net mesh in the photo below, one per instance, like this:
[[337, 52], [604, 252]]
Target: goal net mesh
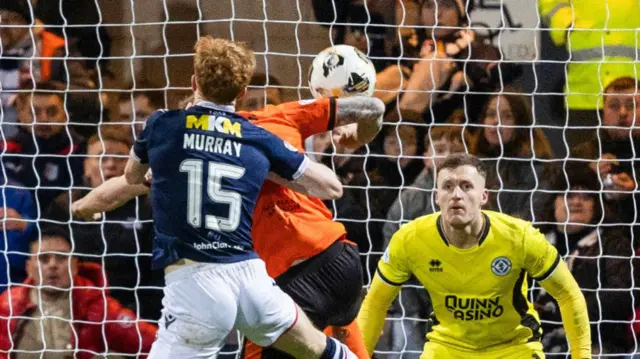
[[486, 77]]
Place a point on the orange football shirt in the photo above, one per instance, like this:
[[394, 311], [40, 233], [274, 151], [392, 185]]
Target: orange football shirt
[[287, 226]]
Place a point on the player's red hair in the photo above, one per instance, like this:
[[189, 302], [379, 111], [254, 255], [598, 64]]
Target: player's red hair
[[223, 68]]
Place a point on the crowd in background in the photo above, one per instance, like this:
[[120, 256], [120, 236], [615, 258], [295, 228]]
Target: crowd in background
[[446, 91]]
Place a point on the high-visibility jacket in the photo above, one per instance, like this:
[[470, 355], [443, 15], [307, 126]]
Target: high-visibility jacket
[[602, 39]]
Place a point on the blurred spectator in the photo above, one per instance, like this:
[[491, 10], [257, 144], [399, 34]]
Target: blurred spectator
[[399, 163], [511, 149], [600, 259], [356, 208], [601, 49], [20, 45], [123, 244], [263, 90], [63, 306], [91, 41], [363, 34], [614, 152], [440, 80], [361, 31], [137, 106], [44, 155], [17, 227], [415, 201], [372, 186]]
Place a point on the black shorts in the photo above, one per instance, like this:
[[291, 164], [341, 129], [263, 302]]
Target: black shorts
[[327, 287]]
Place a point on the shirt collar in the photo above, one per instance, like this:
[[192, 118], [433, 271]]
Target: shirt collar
[[213, 106]]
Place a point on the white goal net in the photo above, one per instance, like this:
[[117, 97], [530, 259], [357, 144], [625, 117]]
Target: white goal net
[[543, 92]]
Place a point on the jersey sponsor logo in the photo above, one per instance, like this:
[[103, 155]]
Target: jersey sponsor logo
[[435, 266], [501, 266], [214, 123], [469, 309], [216, 246]]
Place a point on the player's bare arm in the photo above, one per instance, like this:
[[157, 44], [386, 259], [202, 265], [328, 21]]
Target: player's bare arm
[[573, 308], [316, 181], [319, 181], [134, 172], [110, 195], [366, 112]]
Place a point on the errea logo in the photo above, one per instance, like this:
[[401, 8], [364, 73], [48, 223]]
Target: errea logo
[[435, 266]]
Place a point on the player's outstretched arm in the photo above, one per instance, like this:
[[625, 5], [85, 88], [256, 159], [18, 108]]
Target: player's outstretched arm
[[317, 180], [563, 287], [135, 170], [108, 196], [374, 309], [367, 112]]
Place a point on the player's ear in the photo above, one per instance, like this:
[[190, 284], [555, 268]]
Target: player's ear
[[485, 196], [194, 83]]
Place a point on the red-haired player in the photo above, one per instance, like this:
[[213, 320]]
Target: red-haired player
[[304, 249]]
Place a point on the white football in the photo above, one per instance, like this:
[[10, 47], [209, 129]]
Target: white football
[[341, 71]]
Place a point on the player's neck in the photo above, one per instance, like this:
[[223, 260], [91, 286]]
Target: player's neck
[[197, 97], [467, 236]]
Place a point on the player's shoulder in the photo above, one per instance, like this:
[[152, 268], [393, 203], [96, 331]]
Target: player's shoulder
[[421, 227], [160, 115], [506, 226]]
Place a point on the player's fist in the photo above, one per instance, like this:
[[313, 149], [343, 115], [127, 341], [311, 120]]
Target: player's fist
[[345, 137]]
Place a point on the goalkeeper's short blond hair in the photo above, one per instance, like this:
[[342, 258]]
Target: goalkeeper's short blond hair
[[223, 68]]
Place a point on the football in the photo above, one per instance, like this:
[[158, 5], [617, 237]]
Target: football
[[341, 71]]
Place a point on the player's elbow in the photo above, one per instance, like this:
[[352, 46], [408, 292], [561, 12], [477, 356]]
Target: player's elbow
[[319, 181]]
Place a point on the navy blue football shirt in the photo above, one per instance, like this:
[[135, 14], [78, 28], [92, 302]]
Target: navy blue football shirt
[[208, 166]]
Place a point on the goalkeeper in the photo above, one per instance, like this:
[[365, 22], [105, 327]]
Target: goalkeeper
[[474, 266]]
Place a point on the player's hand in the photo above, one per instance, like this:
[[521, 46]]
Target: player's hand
[[80, 210], [346, 137], [12, 220]]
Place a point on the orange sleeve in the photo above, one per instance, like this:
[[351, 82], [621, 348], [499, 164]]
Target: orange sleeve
[[309, 116]]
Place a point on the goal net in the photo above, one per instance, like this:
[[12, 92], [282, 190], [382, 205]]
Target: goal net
[[548, 103]]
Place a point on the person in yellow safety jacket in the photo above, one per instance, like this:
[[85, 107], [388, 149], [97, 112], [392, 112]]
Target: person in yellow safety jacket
[[601, 38]]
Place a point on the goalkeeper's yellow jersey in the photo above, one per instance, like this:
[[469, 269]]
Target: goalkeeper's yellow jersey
[[479, 294]]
